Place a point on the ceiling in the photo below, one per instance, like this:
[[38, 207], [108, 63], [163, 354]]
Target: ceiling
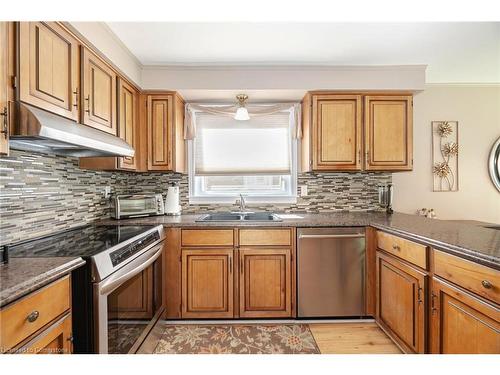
[[454, 52]]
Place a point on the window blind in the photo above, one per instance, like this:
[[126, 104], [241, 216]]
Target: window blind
[[224, 146]]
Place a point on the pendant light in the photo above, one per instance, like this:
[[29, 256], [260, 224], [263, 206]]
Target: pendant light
[[241, 113]]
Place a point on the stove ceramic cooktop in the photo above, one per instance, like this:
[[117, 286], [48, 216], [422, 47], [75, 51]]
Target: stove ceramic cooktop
[[84, 241]]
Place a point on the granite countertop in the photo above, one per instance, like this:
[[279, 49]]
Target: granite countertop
[[24, 275], [469, 241]]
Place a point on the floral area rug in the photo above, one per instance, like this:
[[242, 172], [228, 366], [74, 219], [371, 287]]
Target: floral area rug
[[237, 339]]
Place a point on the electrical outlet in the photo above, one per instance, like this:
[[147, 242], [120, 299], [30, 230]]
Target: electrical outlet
[[303, 190], [107, 192]]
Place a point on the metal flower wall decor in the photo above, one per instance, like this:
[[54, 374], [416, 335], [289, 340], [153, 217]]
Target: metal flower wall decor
[[445, 155]]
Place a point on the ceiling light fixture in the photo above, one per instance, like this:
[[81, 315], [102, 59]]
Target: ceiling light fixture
[[241, 113]]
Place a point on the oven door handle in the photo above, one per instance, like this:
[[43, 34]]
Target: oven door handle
[[114, 283]]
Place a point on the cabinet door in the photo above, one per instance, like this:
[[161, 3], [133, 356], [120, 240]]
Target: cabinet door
[[265, 283], [4, 84], [49, 68], [127, 122], [462, 323], [57, 339], [388, 133], [207, 283], [337, 132], [159, 132], [401, 302], [99, 93]]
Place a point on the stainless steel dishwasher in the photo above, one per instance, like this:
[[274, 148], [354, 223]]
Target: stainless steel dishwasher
[[330, 272]]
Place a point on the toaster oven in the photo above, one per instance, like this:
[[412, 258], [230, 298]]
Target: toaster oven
[[137, 205]]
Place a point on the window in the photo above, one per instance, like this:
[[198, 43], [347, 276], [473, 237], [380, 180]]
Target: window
[[256, 158]]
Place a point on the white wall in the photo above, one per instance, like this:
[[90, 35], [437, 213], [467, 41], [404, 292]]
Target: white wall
[[477, 110], [99, 34]]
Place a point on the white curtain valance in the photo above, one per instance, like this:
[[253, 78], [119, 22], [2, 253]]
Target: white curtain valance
[[253, 110]]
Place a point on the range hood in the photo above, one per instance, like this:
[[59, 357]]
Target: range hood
[[41, 131]]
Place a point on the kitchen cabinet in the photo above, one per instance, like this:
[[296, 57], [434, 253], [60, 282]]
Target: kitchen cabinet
[[99, 93], [400, 302], [128, 130], [356, 131], [265, 282], [388, 132], [57, 339], [462, 323], [49, 68], [207, 283], [165, 132], [5, 85], [336, 132], [35, 323]]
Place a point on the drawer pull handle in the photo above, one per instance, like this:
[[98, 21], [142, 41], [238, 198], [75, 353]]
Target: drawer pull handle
[[33, 316], [486, 284], [396, 247]]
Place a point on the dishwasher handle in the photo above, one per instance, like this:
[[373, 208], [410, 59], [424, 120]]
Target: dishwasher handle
[[354, 235]]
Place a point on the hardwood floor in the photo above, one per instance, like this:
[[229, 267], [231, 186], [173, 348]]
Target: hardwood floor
[[352, 338]]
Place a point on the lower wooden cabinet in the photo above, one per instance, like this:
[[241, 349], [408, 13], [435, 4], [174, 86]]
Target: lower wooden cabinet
[[400, 308], [462, 323], [265, 283], [207, 283], [57, 339]]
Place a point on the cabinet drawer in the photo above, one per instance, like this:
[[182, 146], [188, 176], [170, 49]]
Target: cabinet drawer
[[410, 251], [42, 307], [479, 279], [266, 237], [207, 237]]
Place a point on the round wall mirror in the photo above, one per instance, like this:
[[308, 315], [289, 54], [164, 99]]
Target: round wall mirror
[[494, 164]]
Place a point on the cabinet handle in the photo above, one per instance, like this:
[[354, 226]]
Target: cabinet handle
[[433, 302], [70, 339], [486, 284], [368, 156], [359, 156], [396, 247], [33, 316], [419, 294], [75, 93], [87, 99], [5, 128]]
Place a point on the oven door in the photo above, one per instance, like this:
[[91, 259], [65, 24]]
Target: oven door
[[128, 303]]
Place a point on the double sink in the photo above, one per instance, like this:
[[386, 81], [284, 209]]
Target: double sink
[[239, 216]]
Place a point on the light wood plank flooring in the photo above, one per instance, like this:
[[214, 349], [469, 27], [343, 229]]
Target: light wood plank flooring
[[352, 338]]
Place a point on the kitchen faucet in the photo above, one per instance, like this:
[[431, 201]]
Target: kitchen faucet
[[242, 203]]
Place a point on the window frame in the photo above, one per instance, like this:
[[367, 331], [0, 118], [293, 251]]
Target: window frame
[[197, 199]]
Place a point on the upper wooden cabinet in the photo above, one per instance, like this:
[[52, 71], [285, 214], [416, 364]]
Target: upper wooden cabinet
[[165, 127], [388, 133], [336, 132], [461, 323], [128, 130], [4, 87], [49, 68], [99, 93], [336, 127]]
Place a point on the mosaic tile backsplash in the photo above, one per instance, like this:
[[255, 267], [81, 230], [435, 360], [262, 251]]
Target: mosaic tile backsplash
[[42, 194]]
